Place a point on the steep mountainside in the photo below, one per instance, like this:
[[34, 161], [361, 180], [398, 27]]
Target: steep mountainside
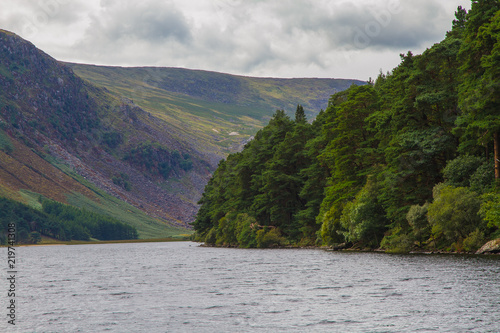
[[138, 144]]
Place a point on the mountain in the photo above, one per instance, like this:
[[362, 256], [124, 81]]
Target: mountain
[[138, 144], [217, 112]]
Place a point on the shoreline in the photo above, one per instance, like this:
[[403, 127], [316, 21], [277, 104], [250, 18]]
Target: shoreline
[[202, 244], [149, 240], [355, 250]]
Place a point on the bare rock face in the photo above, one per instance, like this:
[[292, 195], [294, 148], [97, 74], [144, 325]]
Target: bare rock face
[[490, 247]]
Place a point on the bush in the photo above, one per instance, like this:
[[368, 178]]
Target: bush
[[5, 143], [226, 233], [35, 237], [490, 209], [211, 237], [483, 178], [397, 242], [474, 241], [459, 171], [112, 139], [122, 181], [364, 218], [417, 219], [245, 230], [454, 213], [271, 238]]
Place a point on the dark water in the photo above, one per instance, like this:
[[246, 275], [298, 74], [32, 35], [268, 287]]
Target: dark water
[[180, 287]]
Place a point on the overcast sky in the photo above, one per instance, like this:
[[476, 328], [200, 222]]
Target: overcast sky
[[271, 38]]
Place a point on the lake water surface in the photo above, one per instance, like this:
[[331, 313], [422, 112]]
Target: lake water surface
[[181, 287]]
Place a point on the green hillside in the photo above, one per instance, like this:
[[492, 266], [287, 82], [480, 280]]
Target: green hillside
[[215, 111]]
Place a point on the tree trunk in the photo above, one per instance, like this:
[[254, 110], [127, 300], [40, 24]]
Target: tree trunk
[[496, 149]]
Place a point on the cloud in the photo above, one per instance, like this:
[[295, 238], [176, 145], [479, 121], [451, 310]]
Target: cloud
[[35, 20], [364, 24], [392, 24], [152, 21], [261, 37]]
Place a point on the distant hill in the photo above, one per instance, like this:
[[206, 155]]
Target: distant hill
[[206, 107], [138, 144]]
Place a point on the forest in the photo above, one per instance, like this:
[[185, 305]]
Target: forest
[[58, 221], [407, 162]]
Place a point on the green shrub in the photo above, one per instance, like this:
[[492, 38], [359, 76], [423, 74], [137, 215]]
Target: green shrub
[[417, 219], [490, 209], [226, 233], [35, 237], [211, 237], [269, 238], [122, 181], [454, 213], [459, 171], [474, 241], [5, 143], [397, 242], [364, 218], [112, 139], [483, 178], [245, 230]]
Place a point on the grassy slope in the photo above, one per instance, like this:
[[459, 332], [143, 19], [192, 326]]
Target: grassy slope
[[205, 107], [24, 175], [30, 82]]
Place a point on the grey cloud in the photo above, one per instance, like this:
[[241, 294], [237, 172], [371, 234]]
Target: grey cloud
[[414, 25], [263, 34], [351, 25], [29, 18], [243, 37], [138, 20]]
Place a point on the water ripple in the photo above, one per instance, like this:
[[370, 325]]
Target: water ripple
[[177, 287]]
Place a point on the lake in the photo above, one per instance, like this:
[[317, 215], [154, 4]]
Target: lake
[[182, 287]]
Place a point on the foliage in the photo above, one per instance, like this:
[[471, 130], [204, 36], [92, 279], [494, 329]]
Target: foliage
[[112, 139], [158, 159], [458, 171], [246, 231], [474, 241], [60, 221], [269, 237], [35, 237], [364, 218], [5, 143], [366, 170], [454, 213], [479, 123], [122, 180], [490, 209], [417, 219], [483, 179], [397, 241]]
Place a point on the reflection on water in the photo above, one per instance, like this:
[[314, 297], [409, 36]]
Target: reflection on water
[[181, 287]]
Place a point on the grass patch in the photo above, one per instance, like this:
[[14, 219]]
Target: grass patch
[[5, 143], [146, 226], [31, 199], [52, 241]]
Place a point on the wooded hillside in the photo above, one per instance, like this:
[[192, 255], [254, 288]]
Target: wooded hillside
[[406, 162]]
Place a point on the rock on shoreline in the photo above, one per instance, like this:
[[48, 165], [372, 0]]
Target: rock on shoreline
[[490, 247]]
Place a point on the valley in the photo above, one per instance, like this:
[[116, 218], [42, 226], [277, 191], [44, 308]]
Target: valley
[[139, 144]]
